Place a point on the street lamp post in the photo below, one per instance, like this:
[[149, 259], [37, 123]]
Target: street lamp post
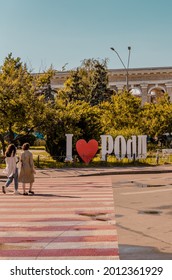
[[126, 68]]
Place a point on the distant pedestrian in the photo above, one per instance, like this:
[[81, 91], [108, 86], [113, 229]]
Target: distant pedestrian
[[11, 169], [27, 170]]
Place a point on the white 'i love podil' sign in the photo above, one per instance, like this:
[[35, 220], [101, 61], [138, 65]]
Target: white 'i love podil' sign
[[134, 148]]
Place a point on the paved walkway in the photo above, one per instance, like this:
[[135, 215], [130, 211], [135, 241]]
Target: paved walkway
[[67, 218], [78, 172]]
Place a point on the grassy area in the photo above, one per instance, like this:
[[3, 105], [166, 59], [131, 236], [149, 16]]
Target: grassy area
[[42, 159]]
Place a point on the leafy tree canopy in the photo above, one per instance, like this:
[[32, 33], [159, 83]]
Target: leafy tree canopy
[[22, 101], [88, 83]]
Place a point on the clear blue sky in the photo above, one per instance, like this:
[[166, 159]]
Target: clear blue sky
[[45, 32]]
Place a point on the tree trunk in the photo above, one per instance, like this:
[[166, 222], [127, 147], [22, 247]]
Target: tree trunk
[[2, 143]]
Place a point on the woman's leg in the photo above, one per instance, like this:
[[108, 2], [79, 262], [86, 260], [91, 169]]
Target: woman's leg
[[31, 184], [8, 182], [23, 185], [16, 180], [30, 189]]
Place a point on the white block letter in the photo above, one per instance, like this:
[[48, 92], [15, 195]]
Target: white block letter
[[107, 145], [142, 146], [120, 147], [131, 148], [68, 147]]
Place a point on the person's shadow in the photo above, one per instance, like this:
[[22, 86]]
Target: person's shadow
[[53, 195]]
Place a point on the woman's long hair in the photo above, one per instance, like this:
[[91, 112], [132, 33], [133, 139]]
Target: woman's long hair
[[11, 151]]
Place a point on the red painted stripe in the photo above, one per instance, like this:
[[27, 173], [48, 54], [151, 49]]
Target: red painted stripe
[[98, 238], [59, 252], [58, 228]]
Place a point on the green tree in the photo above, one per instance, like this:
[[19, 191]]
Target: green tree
[[156, 119], [122, 113], [88, 83], [23, 105], [43, 85], [77, 118]]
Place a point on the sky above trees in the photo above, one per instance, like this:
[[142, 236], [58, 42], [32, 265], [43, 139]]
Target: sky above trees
[[45, 32]]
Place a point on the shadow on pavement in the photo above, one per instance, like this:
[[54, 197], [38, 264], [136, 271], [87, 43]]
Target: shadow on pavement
[[132, 252], [54, 195]]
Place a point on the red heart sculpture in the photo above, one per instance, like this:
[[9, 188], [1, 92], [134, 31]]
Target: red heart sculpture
[[86, 150]]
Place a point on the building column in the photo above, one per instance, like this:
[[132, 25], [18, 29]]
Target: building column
[[144, 90], [169, 90]]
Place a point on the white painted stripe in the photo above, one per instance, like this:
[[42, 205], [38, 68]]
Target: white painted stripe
[[55, 223], [61, 245], [58, 233]]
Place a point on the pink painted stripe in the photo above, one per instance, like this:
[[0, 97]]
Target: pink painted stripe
[[98, 238], [43, 218], [36, 219], [59, 252], [42, 213], [79, 211], [86, 205], [68, 199], [67, 190], [55, 205], [65, 206], [53, 195], [70, 190], [45, 214]]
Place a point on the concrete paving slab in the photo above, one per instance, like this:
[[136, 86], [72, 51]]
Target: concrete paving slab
[[144, 216]]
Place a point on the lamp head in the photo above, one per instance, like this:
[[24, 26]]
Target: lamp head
[[112, 49]]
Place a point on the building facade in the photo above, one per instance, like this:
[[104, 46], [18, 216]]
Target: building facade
[[146, 83]]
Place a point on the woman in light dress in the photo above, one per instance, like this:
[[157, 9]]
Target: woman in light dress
[[11, 169], [27, 170]]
